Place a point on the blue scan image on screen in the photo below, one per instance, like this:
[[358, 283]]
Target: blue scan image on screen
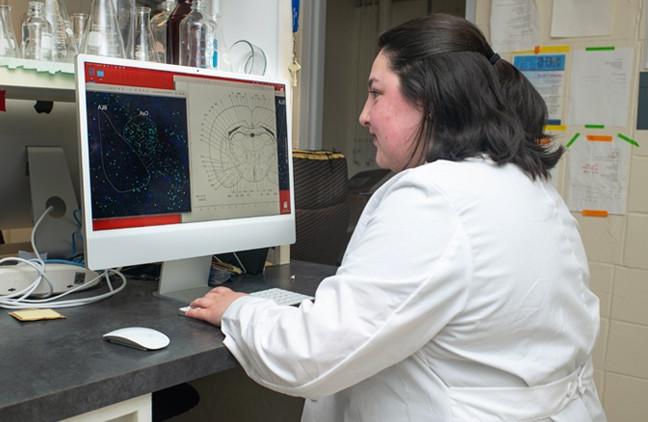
[[139, 157]]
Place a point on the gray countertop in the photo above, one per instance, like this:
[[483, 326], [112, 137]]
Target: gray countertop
[[51, 370]]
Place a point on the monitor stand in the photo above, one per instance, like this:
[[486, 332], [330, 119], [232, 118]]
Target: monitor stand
[[50, 184], [185, 279]]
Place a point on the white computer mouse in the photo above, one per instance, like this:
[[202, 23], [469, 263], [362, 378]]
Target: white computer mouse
[[138, 337]]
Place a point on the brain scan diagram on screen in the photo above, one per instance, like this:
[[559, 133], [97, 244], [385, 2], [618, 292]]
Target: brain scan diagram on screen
[[139, 153], [234, 158]]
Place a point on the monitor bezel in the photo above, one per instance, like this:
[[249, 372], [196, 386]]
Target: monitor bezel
[[140, 245]]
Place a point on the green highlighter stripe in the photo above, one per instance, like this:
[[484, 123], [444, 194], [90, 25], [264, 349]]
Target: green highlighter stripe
[[628, 140], [591, 126], [572, 140], [601, 48]]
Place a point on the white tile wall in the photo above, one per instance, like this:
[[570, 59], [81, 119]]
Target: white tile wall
[[603, 237], [636, 248], [626, 398], [629, 301], [626, 349]]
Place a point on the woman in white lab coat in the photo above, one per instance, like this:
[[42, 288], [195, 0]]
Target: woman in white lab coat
[[463, 294]]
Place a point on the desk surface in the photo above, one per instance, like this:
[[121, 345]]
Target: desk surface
[[51, 370]]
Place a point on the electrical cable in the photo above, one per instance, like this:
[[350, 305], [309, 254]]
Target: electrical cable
[[19, 300]]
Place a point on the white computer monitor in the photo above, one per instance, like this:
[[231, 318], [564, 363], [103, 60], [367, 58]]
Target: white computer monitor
[[178, 164]]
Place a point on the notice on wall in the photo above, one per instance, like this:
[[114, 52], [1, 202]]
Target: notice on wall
[[546, 72], [600, 86], [514, 25], [599, 167], [581, 18]]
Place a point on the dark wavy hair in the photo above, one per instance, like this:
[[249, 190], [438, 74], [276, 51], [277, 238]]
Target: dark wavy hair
[[471, 107]]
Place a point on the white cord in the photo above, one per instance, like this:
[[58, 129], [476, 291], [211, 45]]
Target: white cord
[[18, 300]]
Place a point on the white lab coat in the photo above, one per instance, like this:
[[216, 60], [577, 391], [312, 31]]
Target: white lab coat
[[463, 296]]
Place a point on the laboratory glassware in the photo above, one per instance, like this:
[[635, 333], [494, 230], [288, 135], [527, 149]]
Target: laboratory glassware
[[197, 37], [79, 25], [182, 9], [221, 55], [159, 29], [125, 12], [247, 58], [144, 43], [8, 44], [63, 47], [36, 33], [103, 38]]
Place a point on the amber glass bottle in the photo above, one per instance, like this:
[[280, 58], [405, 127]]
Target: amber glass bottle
[[181, 10]]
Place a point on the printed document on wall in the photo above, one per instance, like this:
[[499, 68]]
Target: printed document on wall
[[514, 25], [546, 72], [581, 18], [600, 86], [598, 175]]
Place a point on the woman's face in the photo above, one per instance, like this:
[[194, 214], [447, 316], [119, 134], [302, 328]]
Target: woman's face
[[391, 120]]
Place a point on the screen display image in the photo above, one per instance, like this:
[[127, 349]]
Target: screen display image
[[168, 148]]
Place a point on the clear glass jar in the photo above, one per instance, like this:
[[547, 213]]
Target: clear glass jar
[[159, 29], [144, 43], [36, 33], [197, 38], [8, 44]]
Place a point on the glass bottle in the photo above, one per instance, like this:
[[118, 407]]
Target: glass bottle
[[182, 9], [63, 47], [197, 35], [144, 43], [125, 12], [102, 37], [159, 29], [36, 33], [8, 43]]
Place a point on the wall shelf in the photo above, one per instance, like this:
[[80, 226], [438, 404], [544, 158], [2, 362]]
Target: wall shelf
[[43, 83]]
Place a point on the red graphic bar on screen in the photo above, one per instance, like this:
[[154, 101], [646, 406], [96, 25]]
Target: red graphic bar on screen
[[128, 222], [148, 78], [128, 76], [284, 201]]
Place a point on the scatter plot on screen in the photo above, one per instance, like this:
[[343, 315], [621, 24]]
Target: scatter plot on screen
[[139, 159]]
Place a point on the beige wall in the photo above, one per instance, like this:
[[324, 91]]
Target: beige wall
[[617, 245]]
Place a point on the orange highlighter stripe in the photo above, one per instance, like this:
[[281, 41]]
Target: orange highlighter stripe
[[599, 138], [594, 213]]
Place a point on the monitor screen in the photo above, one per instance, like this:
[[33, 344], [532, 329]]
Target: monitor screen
[[180, 162]]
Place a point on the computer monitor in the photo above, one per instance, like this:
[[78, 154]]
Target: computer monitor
[[178, 164]]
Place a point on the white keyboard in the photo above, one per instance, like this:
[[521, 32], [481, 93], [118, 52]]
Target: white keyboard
[[279, 296]]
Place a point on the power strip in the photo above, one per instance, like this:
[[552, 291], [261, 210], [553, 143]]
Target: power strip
[[64, 277]]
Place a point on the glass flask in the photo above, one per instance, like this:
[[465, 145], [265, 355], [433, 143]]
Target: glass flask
[[144, 43], [63, 47], [36, 33], [79, 25], [8, 43], [182, 9], [102, 38], [125, 12], [197, 35], [159, 29]]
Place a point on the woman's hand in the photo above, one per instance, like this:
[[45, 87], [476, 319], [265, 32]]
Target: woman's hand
[[213, 305]]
